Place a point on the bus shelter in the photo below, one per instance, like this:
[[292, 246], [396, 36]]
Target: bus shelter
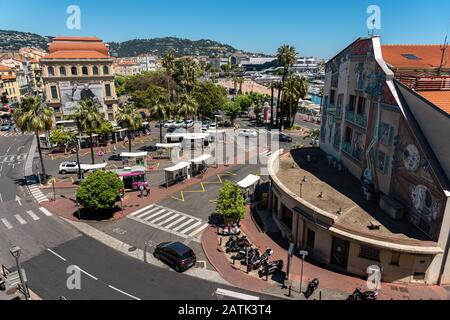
[[200, 164], [132, 159], [248, 185], [177, 173], [168, 150]]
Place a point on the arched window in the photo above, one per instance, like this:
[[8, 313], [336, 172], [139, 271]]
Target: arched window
[[95, 70], [105, 70], [74, 71], [51, 71], [62, 71], [84, 70]]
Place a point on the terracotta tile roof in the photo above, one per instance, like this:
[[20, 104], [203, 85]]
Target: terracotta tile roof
[[77, 48], [5, 68], [8, 77], [66, 38], [440, 99], [76, 54], [421, 56]]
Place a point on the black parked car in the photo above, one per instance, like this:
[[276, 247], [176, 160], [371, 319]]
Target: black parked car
[[285, 138], [176, 254]]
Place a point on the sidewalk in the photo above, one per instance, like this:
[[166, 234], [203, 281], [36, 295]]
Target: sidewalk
[[333, 285]]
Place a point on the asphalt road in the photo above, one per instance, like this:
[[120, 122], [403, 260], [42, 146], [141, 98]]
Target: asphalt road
[[109, 275]]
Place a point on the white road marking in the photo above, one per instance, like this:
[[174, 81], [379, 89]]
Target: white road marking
[[198, 230], [46, 212], [88, 274], [1, 198], [147, 212], [54, 253], [154, 215], [7, 224], [183, 224], [161, 217], [123, 292], [234, 294], [142, 210], [176, 222], [191, 227], [33, 215], [8, 149], [169, 219], [20, 219]]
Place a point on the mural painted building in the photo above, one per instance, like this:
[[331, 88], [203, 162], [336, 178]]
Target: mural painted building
[[78, 68], [385, 119]]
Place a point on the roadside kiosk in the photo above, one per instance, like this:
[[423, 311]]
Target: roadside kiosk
[[248, 185], [132, 177], [132, 159], [178, 173], [199, 164], [168, 150]]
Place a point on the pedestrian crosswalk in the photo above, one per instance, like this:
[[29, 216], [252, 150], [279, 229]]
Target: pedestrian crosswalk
[[13, 134], [172, 221], [35, 191], [13, 158], [24, 218]]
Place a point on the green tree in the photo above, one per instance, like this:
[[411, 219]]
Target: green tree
[[231, 202], [187, 107], [186, 73], [287, 57], [140, 98], [159, 111], [296, 88], [258, 100], [130, 118], [210, 98], [100, 191], [89, 120], [34, 117], [105, 129], [62, 138], [244, 101], [232, 110], [168, 64]]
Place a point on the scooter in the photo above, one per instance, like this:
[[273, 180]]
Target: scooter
[[236, 247], [255, 265], [232, 230], [242, 254], [270, 268], [359, 295], [234, 240], [312, 286]]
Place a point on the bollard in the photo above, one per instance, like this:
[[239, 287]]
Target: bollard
[[320, 295]]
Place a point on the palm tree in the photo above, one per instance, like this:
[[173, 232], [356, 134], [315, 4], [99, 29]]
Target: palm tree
[[287, 57], [34, 117], [160, 111], [89, 120], [188, 107], [186, 73], [169, 64], [296, 88], [129, 117]]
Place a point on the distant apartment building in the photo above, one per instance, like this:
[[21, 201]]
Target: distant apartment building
[[32, 53], [128, 67], [37, 84], [217, 63], [21, 66], [147, 62], [75, 69], [9, 86], [306, 65]]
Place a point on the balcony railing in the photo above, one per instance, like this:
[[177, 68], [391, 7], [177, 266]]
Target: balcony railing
[[360, 119]]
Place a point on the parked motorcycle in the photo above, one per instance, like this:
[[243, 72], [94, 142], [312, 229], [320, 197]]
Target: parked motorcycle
[[236, 246], [270, 268], [242, 254], [359, 295], [257, 263], [312, 287], [231, 230], [234, 240]]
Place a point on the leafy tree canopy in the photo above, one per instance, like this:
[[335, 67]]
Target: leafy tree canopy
[[231, 201], [100, 191], [210, 98], [61, 137]]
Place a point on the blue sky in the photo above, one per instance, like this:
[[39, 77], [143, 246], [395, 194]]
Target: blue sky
[[320, 28]]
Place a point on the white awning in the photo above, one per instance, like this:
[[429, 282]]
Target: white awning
[[216, 131], [168, 145], [248, 181], [120, 130], [133, 155], [201, 159], [178, 166], [187, 136], [99, 166]]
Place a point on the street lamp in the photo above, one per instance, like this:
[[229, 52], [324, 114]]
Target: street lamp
[[15, 252], [80, 174]]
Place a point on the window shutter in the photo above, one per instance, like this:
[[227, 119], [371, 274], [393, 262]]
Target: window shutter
[[391, 135]]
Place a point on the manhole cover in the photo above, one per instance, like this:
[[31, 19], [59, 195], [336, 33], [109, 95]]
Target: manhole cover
[[132, 249]]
